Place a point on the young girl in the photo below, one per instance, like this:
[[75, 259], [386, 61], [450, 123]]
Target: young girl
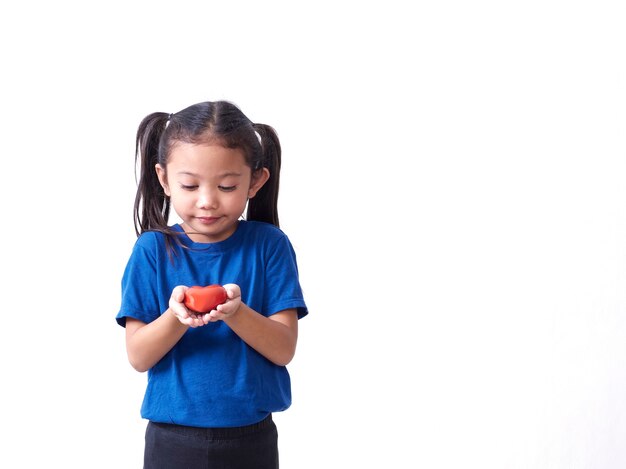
[[214, 378]]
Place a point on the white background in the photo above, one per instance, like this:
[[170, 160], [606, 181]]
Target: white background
[[453, 185]]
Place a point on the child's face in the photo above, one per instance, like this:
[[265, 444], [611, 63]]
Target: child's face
[[209, 186]]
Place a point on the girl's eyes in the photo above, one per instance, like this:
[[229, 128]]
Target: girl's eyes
[[192, 187]]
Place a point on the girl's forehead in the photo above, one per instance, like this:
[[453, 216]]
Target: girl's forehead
[[202, 156]]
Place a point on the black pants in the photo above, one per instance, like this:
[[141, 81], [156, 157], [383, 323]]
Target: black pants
[[178, 447]]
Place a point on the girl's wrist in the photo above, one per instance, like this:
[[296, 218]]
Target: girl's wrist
[[175, 319], [236, 313]]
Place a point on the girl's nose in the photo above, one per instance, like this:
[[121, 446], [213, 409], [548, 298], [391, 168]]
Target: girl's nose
[[206, 200]]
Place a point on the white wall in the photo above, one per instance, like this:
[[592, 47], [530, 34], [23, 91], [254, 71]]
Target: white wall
[[453, 184]]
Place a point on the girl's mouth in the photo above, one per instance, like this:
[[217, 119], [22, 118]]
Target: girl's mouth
[[207, 220]]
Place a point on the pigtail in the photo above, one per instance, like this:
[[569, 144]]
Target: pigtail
[[264, 205], [152, 206]]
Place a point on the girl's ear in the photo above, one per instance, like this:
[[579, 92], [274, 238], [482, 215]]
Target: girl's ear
[[259, 177], [161, 174]]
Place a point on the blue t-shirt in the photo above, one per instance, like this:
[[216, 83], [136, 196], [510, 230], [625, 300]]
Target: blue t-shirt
[[211, 378]]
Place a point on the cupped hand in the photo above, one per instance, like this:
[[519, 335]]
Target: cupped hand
[[228, 308], [184, 315]]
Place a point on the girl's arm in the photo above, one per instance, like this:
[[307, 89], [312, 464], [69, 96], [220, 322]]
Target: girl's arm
[[274, 337], [146, 344]]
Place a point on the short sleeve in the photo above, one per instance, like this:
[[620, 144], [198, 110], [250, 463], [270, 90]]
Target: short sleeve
[[282, 279], [140, 299]]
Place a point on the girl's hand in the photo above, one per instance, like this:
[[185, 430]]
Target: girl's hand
[[229, 308], [178, 309]]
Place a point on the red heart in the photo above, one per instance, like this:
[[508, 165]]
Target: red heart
[[205, 299]]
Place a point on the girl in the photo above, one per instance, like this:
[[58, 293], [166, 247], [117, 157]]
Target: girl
[[214, 378]]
